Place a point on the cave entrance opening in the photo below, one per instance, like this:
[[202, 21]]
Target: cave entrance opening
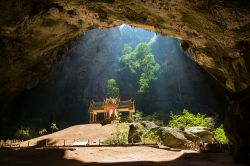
[[149, 68]]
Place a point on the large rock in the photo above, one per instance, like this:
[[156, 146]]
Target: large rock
[[203, 133], [150, 126], [192, 137], [173, 137]]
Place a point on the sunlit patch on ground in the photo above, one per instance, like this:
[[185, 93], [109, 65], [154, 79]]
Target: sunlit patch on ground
[[122, 154]]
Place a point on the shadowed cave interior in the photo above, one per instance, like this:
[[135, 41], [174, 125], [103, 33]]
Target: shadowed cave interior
[[93, 58]]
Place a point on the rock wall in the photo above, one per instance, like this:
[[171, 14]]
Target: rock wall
[[216, 33]]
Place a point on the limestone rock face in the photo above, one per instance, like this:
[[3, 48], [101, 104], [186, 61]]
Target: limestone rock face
[[150, 125], [173, 138], [192, 137], [203, 133], [214, 33]]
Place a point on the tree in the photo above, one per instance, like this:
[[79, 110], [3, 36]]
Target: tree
[[112, 89], [141, 63]]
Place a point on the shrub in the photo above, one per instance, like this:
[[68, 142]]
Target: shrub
[[120, 135], [23, 133], [150, 137], [188, 119], [109, 141], [219, 134], [53, 127], [42, 132], [137, 116]]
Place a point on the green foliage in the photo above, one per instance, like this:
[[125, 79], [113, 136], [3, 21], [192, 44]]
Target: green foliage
[[120, 135], [150, 137], [42, 132], [140, 62], [137, 116], [109, 141], [141, 128], [147, 136], [118, 119], [112, 89], [53, 127], [188, 119], [23, 133], [127, 49], [219, 135]]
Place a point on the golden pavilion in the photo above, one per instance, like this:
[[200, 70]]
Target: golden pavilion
[[110, 108]]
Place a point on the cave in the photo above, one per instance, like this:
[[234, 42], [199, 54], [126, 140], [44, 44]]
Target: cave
[[94, 58], [46, 64]]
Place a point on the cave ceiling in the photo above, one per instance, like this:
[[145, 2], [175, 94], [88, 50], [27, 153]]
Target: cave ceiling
[[35, 34]]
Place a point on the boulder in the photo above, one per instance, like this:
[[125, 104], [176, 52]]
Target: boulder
[[180, 127], [203, 133], [192, 137], [173, 138], [151, 126]]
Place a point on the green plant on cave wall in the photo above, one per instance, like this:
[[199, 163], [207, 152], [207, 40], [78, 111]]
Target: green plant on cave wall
[[219, 134], [141, 64]]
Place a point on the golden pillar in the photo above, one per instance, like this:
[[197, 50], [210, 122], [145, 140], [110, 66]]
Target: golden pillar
[[95, 117]]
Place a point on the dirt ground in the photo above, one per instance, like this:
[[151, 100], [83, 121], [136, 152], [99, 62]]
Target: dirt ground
[[91, 132], [114, 156]]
